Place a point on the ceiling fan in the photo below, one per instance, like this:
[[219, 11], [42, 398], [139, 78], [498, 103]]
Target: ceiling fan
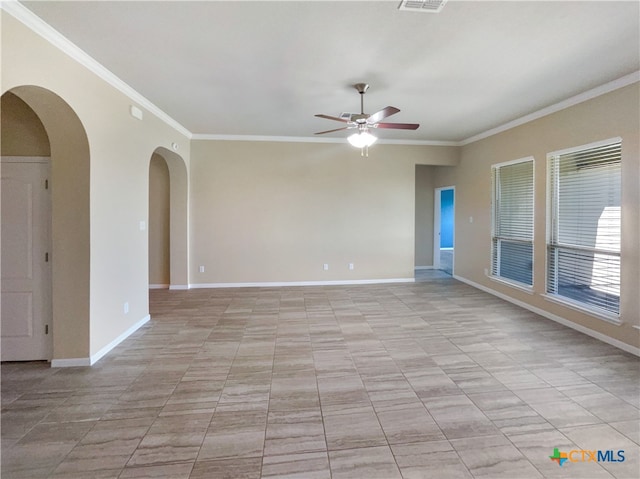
[[363, 122]]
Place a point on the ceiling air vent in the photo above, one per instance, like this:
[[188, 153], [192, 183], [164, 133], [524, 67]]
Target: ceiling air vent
[[426, 6]]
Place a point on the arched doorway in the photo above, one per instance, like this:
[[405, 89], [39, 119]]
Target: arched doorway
[[159, 224], [68, 183], [168, 225], [25, 233]]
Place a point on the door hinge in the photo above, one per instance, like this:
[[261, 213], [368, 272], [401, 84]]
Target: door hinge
[[46, 184], [46, 329], [46, 257]]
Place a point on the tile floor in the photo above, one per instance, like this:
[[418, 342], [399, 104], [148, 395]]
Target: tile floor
[[427, 380]]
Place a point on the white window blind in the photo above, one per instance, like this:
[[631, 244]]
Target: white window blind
[[583, 263], [512, 225]]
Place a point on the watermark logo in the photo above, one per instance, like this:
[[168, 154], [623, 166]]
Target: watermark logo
[[583, 455], [559, 457]]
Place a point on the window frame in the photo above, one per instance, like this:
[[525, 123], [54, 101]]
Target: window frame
[[494, 205], [552, 233]]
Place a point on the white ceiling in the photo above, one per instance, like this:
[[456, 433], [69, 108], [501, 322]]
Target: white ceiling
[[266, 67]]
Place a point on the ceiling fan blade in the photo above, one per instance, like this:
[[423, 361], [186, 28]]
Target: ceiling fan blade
[[379, 115], [332, 118], [331, 131], [398, 126]]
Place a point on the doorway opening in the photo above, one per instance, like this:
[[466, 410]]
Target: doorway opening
[[167, 219], [159, 224], [50, 156], [444, 229]]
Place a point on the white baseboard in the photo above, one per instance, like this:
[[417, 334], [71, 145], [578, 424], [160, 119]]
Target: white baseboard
[[70, 362], [158, 286], [75, 362], [97, 356], [420, 268], [278, 284], [179, 286], [554, 317]]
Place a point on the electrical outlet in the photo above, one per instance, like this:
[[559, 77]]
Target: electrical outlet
[[201, 269], [126, 308], [325, 267], [351, 266]]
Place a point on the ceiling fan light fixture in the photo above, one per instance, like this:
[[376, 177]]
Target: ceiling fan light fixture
[[362, 139]]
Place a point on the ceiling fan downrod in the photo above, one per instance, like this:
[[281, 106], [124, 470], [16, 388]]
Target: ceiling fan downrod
[[362, 89]]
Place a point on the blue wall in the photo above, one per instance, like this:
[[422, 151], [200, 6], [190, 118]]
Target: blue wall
[[446, 219]]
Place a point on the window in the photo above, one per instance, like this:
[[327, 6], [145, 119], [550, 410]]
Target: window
[[583, 264], [512, 222]]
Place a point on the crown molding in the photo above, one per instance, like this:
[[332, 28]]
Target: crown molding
[[312, 139], [46, 31], [569, 102], [275, 139], [417, 142]]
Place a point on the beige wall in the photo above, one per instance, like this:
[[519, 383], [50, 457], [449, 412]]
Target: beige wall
[[22, 131], [117, 176], [424, 216], [276, 212], [159, 273], [615, 114]]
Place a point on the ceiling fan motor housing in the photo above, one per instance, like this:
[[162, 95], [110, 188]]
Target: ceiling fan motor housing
[[361, 87]]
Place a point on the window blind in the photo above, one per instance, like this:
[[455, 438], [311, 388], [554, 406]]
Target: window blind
[[583, 263], [512, 225]]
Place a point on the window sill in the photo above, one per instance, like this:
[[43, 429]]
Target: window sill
[[602, 315], [519, 286]]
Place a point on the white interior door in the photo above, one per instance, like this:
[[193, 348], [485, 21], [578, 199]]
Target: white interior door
[[26, 263]]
